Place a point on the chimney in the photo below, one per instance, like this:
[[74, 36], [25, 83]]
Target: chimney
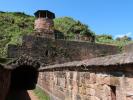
[[44, 24]]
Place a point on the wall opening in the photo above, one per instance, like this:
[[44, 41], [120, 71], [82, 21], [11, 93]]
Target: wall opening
[[24, 78], [113, 92]]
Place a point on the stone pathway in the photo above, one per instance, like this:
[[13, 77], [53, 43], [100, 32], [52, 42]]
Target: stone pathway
[[32, 95]]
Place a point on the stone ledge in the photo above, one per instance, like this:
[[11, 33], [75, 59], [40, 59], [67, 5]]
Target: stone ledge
[[117, 61]]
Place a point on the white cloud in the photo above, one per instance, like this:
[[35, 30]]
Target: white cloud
[[129, 34]]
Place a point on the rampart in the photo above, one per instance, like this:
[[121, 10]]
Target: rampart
[[50, 51], [104, 78], [72, 70]]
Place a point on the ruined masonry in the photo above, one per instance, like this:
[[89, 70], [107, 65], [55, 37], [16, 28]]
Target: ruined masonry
[[66, 70]]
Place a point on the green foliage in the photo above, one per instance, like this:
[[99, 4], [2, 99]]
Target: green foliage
[[104, 37], [124, 38], [12, 27], [40, 93], [108, 39], [70, 27]]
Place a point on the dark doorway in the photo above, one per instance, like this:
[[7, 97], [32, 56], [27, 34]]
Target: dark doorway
[[24, 78], [18, 95]]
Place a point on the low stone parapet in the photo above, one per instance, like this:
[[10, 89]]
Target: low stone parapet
[[103, 78]]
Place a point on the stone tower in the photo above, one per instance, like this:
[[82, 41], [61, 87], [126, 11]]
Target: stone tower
[[44, 24]]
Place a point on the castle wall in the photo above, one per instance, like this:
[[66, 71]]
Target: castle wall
[[128, 48], [96, 83], [50, 51]]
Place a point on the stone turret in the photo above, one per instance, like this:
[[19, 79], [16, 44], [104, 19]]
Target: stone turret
[[44, 24]]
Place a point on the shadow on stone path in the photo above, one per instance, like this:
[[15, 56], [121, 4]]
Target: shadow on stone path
[[18, 95], [21, 95]]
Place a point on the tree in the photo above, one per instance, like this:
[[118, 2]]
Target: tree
[[71, 27], [124, 38], [104, 37], [12, 26]]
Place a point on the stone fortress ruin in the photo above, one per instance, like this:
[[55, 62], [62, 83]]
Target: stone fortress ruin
[[67, 70], [44, 24]]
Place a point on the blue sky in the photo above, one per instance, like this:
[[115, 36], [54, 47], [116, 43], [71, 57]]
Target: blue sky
[[113, 17]]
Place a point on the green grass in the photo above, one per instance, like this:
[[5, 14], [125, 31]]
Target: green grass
[[41, 94]]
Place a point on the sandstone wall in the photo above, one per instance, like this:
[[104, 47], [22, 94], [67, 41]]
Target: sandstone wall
[[92, 84], [44, 25], [50, 51], [128, 48]]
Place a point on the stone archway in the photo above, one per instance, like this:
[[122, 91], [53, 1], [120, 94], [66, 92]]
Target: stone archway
[[24, 77]]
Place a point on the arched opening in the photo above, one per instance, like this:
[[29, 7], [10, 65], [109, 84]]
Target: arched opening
[[24, 78], [24, 75]]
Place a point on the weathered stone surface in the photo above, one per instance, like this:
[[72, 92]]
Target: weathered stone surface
[[44, 25], [77, 86], [115, 81], [50, 51], [128, 48], [91, 78]]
